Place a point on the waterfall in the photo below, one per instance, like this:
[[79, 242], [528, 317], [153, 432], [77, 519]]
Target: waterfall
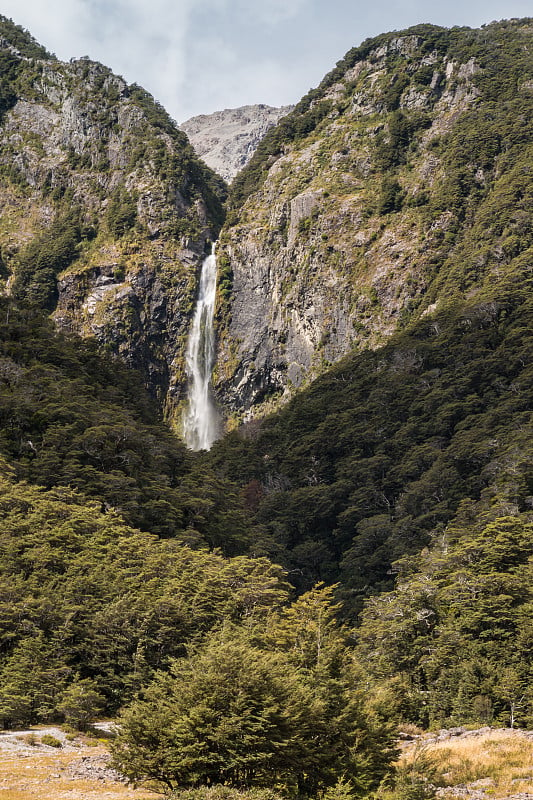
[[200, 418]]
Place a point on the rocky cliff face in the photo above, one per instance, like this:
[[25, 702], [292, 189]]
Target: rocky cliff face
[[365, 206], [226, 140], [107, 212]]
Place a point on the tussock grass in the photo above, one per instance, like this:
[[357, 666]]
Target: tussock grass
[[501, 759]]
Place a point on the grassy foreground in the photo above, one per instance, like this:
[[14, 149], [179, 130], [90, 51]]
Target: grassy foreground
[[490, 762], [31, 770]]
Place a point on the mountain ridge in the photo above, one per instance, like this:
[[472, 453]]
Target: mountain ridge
[[226, 140]]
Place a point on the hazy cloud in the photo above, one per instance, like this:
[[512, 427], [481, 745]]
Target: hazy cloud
[[271, 12]]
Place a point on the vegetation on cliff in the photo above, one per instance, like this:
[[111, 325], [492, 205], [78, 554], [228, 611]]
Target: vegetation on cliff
[[499, 51]]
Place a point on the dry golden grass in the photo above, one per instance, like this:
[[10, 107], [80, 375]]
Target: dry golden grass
[[501, 759], [44, 776]]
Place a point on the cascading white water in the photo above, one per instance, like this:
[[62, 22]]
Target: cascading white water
[[200, 418]]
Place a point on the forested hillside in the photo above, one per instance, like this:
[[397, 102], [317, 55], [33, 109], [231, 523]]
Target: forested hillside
[[261, 618], [73, 417], [359, 468], [421, 447]]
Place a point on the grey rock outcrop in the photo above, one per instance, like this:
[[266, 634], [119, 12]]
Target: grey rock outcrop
[[226, 140]]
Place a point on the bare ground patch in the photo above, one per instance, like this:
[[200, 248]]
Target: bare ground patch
[[77, 770]]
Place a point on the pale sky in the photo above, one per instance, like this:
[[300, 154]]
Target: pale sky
[[200, 56]]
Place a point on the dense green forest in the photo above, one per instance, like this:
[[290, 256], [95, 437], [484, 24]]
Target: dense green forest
[[419, 447], [362, 467], [267, 614], [73, 417]]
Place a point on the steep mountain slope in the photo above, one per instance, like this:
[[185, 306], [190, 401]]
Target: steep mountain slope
[[226, 140], [402, 181], [107, 212], [378, 454]]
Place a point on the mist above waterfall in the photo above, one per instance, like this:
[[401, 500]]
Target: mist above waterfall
[[200, 418]]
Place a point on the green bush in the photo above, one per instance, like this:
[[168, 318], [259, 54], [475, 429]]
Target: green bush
[[391, 196], [220, 792], [81, 703], [51, 741], [121, 212], [40, 261], [278, 707], [411, 781]]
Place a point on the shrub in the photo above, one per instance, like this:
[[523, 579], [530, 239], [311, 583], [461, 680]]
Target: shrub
[[51, 741], [81, 703], [220, 792], [122, 212]]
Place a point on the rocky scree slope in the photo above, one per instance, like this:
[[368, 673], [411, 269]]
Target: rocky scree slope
[[399, 183], [226, 140], [107, 211]]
